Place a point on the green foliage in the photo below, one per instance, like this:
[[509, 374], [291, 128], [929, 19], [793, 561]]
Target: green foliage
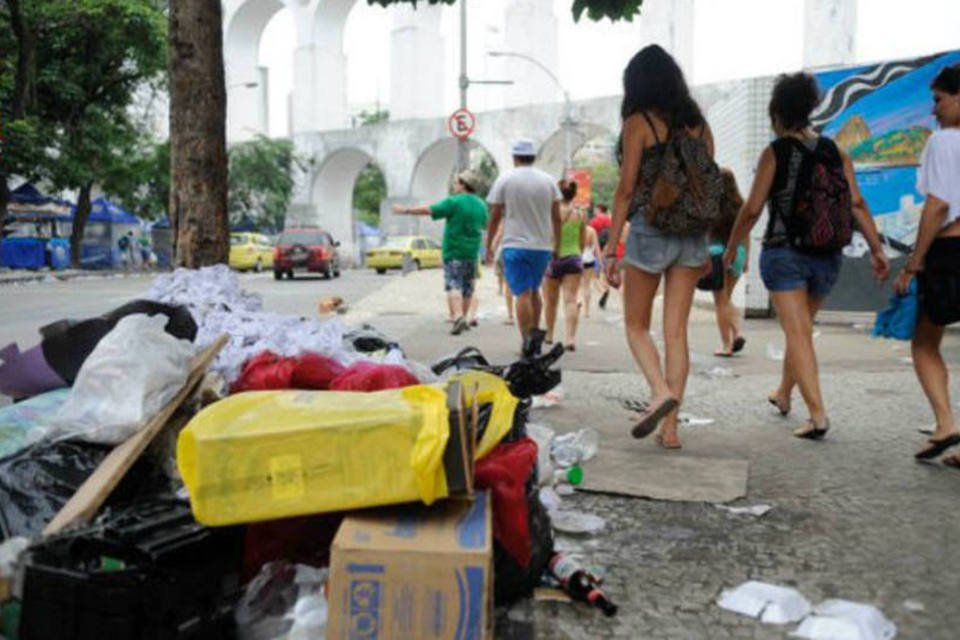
[[376, 116], [604, 177], [368, 192], [595, 9], [261, 180], [143, 184]]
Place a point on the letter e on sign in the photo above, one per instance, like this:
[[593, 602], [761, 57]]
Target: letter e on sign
[[461, 123]]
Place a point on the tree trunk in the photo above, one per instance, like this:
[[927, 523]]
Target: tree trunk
[[198, 146], [22, 85], [4, 201], [79, 224]]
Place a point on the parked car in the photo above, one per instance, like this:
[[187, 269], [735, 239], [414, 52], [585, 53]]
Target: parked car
[[306, 250], [250, 251], [424, 252]]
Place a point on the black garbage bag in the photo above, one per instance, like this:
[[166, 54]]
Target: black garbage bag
[[511, 581], [368, 339], [67, 343], [529, 376], [37, 481], [142, 572]]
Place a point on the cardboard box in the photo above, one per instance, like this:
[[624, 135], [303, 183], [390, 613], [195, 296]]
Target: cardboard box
[[414, 573]]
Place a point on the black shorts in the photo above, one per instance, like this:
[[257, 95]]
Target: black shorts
[[939, 283]]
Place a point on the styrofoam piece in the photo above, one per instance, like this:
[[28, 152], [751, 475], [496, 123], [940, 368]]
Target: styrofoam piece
[[771, 603], [756, 510], [845, 620]]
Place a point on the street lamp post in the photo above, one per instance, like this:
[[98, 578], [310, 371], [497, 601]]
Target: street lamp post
[[568, 122]]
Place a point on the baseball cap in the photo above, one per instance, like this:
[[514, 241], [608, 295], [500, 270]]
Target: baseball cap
[[523, 147]]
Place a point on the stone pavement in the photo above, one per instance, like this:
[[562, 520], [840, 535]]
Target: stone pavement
[[854, 516]]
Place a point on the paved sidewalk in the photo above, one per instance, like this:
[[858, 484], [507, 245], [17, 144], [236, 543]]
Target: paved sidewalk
[[854, 516]]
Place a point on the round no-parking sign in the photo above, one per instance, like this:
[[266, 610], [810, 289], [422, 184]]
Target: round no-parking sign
[[461, 123]]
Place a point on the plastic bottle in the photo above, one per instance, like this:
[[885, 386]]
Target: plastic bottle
[[579, 583], [573, 448], [571, 475]]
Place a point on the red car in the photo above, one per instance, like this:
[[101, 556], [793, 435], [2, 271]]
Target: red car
[[306, 249]]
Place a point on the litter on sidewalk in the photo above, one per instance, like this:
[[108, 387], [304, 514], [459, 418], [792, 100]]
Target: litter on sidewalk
[[756, 510], [845, 620], [770, 603]]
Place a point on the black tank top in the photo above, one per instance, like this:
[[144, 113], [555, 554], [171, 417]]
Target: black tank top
[[789, 157]]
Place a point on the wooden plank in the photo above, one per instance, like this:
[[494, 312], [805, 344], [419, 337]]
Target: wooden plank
[[88, 499]]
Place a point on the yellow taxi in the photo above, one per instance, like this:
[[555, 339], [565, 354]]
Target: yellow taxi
[[250, 251], [423, 252]]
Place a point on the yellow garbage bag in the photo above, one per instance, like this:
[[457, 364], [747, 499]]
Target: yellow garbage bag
[[263, 455], [490, 389]]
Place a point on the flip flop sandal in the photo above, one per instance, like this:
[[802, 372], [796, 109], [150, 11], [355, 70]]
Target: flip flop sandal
[[739, 343], [812, 432], [937, 446], [648, 421], [783, 409], [952, 461], [723, 354], [664, 445]]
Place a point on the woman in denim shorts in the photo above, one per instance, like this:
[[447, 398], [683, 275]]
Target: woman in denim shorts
[[798, 281], [656, 100]]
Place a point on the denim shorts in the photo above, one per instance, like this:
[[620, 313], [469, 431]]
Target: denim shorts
[[459, 275], [654, 251], [524, 268], [786, 269]]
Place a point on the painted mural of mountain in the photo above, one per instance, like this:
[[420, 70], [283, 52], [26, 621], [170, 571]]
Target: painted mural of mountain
[[853, 132], [902, 147]]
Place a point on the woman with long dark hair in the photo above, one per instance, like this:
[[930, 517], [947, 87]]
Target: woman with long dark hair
[[657, 105], [798, 273], [935, 261]]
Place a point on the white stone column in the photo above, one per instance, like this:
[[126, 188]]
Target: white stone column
[[417, 63], [319, 97], [530, 29], [830, 28]]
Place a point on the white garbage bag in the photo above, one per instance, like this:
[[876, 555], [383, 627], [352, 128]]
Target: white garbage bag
[[845, 620], [132, 373], [772, 603]]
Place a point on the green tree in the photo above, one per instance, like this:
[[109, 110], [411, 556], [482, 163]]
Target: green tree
[[261, 180], [378, 115], [91, 56], [368, 192]]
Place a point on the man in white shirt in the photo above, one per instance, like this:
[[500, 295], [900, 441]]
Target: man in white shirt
[[527, 201]]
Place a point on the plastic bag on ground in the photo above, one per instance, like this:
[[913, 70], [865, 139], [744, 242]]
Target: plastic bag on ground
[[24, 374], [132, 373], [268, 371], [771, 603], [575, 447], [577, 522], [21, 423], [510, 580], [368, 376], [283, 601], [543, 436], [505, 472], [845, 620]]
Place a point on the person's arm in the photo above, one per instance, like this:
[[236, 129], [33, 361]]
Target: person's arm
[[557, 227], [868, 227], [632, 139], [931, 221], [423, 210], [753, 206], [494, 230]]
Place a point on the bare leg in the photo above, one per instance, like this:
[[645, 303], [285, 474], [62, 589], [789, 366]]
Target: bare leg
[[551, 298], [508, 297], [721, 304], [640, 288], [793, 311], [525, 313], [586, 290], [679, 286], [784, 392], [455, 302], [571, 288], [470, 307], [932, 374]]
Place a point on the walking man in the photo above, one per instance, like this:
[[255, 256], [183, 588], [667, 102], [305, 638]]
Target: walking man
[[465, 215], [527, 201]]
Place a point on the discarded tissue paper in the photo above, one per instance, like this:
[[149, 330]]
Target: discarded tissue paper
[[754, 510], [771, 603], [132, 373], [845, 620]]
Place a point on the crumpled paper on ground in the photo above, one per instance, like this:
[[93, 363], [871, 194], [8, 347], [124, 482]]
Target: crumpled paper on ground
[[844, 620], [771, 603]]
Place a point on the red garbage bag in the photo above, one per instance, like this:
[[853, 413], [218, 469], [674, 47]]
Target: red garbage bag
[[369, 376], [314, 371], [504, 471], [267, 371]]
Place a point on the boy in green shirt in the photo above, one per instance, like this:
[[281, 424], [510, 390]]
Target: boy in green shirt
[[465, 215]]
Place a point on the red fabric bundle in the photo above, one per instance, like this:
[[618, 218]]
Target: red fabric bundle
[[267, 371], [504, 471], [369, 376]]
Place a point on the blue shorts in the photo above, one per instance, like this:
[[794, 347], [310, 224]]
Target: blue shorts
[[524, 268], [786, 269], [459, 275]]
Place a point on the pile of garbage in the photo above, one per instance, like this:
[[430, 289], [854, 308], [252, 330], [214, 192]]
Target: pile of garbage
[[190, 466]]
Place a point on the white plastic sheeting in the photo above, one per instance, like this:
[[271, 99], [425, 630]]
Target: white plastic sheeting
[[845, 620], [771, 603]]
